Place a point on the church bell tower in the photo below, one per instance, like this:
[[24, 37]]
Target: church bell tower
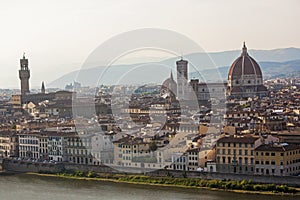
[[24, 75]]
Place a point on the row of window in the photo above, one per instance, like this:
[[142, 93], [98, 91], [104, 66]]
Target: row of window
[[289, 153], [78, 151], [235, 152], [28, 148], [134, 151], [223, 144], [233, 160], [28, 141]]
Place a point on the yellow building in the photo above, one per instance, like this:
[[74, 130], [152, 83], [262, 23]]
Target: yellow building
[[16, 101], [8, 144], [277, 160], [235, 154]]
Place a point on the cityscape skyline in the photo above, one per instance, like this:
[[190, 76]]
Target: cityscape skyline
[[116, 99]]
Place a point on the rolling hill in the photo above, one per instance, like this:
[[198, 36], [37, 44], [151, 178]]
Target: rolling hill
[[277, 62]]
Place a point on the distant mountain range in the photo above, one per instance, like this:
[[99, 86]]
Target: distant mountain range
[[274, 63]]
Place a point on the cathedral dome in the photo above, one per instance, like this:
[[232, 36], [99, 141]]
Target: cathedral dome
[[245, 77], [244, 65], [169, 83], [169, 86]]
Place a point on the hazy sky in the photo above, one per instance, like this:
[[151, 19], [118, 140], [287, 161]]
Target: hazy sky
[[58, 35]]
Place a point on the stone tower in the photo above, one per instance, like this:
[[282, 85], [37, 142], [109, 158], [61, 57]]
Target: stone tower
[[182, 79], [24, 75], [43, 90]]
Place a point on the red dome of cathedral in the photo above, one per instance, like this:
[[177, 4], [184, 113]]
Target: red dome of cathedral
[[245, 77], [243, 66]]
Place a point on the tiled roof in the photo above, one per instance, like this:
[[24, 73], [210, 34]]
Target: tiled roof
[[238, 139], [280, 148], [244, 65]]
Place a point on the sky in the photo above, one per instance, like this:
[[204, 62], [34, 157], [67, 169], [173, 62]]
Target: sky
[[58, 35]]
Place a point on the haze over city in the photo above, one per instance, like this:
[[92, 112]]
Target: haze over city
[[58, 36], [116, 99]]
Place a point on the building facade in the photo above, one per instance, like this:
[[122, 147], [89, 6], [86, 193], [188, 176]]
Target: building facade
[[277, 160], [235, 154]]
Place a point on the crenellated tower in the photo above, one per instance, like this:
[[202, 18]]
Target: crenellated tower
[[24, 75]]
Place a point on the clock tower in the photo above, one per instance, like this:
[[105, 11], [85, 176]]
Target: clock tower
[[24, 75]]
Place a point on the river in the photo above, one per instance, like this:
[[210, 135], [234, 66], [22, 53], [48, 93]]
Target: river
[[33, 187]]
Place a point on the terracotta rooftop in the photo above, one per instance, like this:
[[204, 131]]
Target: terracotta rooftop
[[280, 148], [238, 139]]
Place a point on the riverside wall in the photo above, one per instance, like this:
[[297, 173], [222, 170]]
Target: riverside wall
[[285, 180], [23, 166]]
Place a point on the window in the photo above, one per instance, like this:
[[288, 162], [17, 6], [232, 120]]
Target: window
[[229, 159], [272, 154], [272, 162], [223, 160]]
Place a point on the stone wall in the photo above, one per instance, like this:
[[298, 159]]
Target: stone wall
[[23, 166]]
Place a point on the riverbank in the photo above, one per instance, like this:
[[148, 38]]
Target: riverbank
[[217, 185]]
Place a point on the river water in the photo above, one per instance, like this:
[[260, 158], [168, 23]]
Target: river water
[[33, 187]]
